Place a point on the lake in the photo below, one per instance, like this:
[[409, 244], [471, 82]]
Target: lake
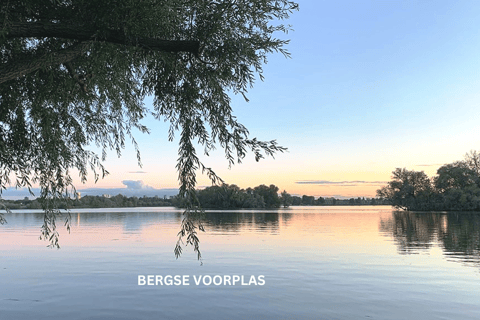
[[340, 262]]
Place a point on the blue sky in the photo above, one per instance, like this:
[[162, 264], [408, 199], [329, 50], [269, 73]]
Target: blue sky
[[371, 86]]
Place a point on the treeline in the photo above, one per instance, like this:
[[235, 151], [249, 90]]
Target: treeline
[[321, 201], [216, 197], [232, 197], [455, 187], [118, 201]]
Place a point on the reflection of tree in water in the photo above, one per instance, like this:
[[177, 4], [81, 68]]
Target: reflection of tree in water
[[286, 217], [411, 231], [235, 221], [266, 221], [458, 233], [133, 221], [463, 234]]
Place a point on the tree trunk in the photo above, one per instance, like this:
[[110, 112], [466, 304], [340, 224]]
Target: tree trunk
[[40, 30], [84, 34]]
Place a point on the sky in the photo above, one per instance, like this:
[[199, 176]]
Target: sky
[[371, 86]]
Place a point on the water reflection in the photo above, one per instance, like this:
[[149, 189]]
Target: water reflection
[[260, 221], [458, 234], [320, 263], [129, 220], [138, 222]]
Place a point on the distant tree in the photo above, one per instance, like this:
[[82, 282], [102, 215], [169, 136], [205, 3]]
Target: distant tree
[[231, 196], [308, 200], [269, 194], [286, 199], [296, 201], [411, 190], [253, 201], [320, 201], [457, 185], [455, 175]]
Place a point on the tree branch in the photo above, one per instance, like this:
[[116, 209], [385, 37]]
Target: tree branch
[[23, 67], [82, 33]]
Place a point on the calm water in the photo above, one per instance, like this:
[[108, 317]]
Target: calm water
[[318, 263]]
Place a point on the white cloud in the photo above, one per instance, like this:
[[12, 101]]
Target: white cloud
[[135, 184]]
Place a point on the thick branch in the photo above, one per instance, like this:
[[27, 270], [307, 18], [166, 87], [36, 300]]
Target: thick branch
[[21, 68], [82, 33]]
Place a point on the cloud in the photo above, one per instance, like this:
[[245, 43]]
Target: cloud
[[136, 172], [355, 183], [135, 184], [429, 165]]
